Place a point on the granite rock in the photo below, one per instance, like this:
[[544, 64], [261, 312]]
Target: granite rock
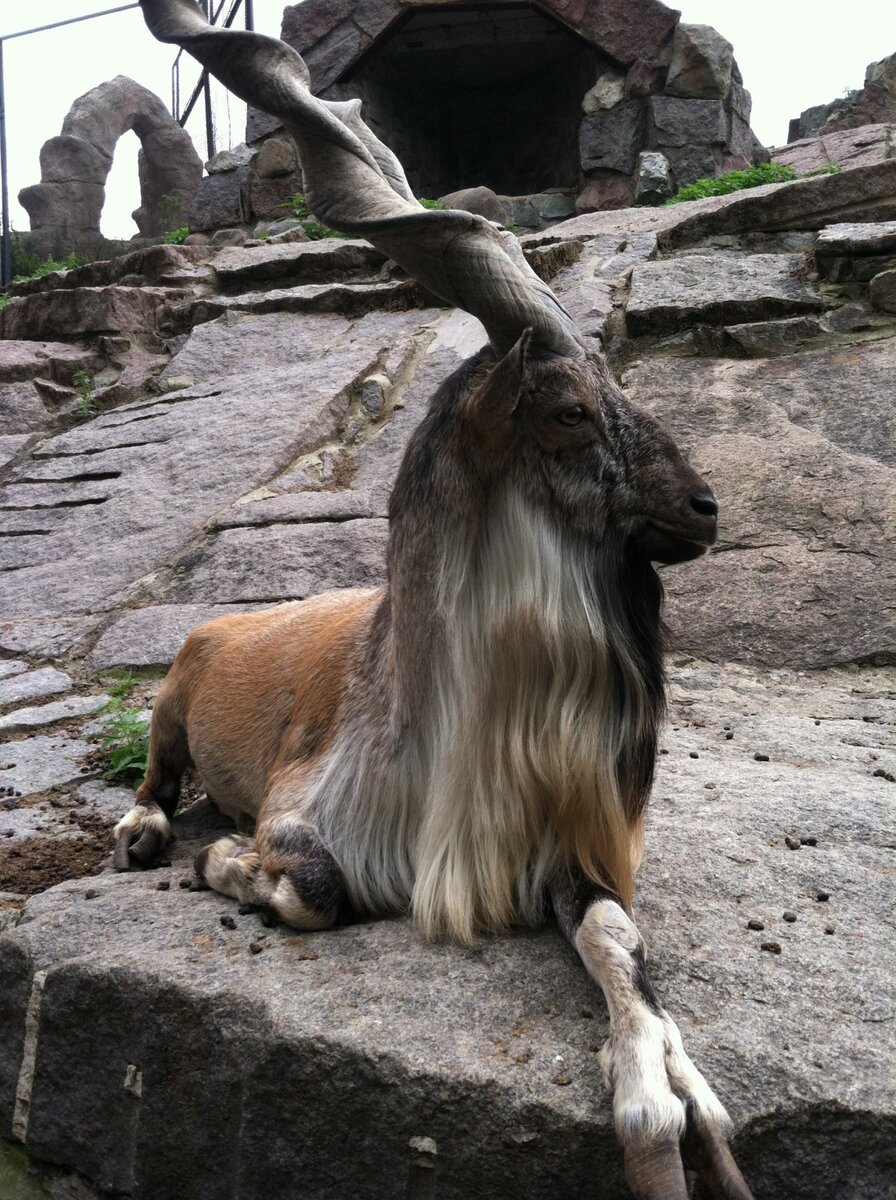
[[612, 139], [702, 63], [718, 289], [366, 1038]]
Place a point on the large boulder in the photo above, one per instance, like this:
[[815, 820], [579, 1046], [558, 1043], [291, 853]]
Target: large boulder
[[702, 64]]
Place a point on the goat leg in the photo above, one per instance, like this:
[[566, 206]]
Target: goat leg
[[706, 1152], [140, 836], [657, 1090]]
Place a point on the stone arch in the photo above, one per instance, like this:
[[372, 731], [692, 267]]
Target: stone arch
[[66, 206]]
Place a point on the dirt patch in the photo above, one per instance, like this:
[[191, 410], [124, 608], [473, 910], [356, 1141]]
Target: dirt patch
[[35, 864]]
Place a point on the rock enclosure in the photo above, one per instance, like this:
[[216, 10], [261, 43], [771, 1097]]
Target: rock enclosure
[[248, 410], [552, 106]]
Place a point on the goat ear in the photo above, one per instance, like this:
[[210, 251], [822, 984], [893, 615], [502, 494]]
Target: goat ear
[[494, 402]]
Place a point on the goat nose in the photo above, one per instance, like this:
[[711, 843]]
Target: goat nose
[[704, 505]]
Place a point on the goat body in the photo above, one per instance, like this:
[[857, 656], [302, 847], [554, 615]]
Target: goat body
[[475, 741]]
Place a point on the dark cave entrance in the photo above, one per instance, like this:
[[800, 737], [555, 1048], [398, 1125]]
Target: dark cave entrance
[[490, 95]]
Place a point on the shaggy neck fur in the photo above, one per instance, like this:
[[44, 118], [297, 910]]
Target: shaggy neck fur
[[537, 689], [545, 702]]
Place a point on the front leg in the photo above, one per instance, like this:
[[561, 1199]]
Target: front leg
[[660, 1099]]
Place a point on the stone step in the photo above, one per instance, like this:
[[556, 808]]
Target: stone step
[[718, 289]]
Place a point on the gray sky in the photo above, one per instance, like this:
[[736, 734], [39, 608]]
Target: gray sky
[[793, 53]]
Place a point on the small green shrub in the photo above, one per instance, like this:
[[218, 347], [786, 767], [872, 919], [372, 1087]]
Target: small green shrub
[[434, 204], [315, 230], [84, 386], [171, 214], [177, 237], [124, 737], [734, 181]]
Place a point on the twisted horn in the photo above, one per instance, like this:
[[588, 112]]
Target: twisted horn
[[356, 185]]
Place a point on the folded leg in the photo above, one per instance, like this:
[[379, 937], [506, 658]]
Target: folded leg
[[287, 870]]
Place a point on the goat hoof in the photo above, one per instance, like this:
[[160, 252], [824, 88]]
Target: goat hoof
[[140, 838]]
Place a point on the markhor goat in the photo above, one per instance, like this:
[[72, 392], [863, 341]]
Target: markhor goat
[[475, 741]]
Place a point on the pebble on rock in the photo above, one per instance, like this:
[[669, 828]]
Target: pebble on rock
[[694, 754], [91, 894], [255, 947], [755, 923], [790, 917], [829, 928]]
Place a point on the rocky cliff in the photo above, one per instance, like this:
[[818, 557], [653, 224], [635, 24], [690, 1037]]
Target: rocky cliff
[[248, 411]]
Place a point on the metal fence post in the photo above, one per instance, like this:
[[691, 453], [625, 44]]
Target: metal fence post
[[6, 261]]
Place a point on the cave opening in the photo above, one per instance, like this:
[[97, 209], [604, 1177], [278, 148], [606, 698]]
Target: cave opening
[[489, 96]]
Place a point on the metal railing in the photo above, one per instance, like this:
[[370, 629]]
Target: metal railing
[[203, 87]]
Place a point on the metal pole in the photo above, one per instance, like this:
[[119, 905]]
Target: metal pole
[[107, 12], [250, 15], [207, 88], [6, 262]]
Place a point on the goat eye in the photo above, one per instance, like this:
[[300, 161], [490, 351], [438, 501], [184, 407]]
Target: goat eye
[[571, 417]]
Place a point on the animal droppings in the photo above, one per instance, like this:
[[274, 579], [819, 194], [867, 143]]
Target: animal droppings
[[880, 773], [561, 1080], [185, 883], [823, 897], [755, 923], [163, 886], [792, 843], [808, 841], [729, 737], [771, 947], [91, 894], [694, 754], [790, 917], [829, 928], [228, 922], [244, 910], [761, 757], [255, 947]]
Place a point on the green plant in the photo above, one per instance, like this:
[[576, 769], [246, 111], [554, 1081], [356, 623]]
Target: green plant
[[83, 385], [734, 181], [436, 204], [177, 237], [124, 737], [315, 230]]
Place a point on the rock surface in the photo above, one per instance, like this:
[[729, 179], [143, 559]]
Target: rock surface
[[143, 1004], [243, 459], [668, 296]]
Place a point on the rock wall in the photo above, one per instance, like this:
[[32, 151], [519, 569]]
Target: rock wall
[[874, 104], [248, 412]]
